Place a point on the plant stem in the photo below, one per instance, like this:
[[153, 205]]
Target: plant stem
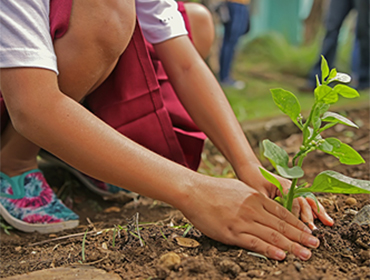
[[289, 202], [307, 123]]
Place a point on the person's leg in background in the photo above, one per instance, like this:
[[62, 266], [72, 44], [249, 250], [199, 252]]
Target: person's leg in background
[[337, 12], [362, 35], [234, 29], [355, 61]]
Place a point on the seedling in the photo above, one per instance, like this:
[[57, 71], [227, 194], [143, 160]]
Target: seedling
[[319, 120], [5, 226]]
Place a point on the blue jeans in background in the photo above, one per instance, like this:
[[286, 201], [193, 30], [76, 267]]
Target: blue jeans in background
[[337, 12], [234, 29]]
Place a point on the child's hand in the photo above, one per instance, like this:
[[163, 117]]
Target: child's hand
[[305, 208], [231, 212]]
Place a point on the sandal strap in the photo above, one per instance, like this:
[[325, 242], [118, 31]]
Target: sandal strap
[[17, 184]]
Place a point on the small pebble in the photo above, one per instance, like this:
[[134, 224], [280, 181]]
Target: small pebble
[[187, 242], [365, 255], [255, 273], [351, 201], [363, 216], [228, 266], [169, 260], [298, 266]]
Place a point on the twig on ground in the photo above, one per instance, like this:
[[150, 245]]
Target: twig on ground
[[83, 246], [137, 229]]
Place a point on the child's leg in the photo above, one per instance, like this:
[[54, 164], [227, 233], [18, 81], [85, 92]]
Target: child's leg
[[18, 155], [98, 33], [202, 28]]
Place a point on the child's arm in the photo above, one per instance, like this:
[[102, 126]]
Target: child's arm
[[205, 101], [224, 209]]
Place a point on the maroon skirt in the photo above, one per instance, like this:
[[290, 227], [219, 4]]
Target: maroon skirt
[[137, 99]]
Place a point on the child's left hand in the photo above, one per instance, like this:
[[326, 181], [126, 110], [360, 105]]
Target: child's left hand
[[305, 208]]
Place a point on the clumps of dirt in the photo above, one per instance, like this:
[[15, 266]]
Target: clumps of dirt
[[344, 252]]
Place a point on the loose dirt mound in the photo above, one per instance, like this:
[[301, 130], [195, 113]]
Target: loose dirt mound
[[344, 252]]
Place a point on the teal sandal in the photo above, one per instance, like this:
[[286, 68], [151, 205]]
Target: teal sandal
[[28, 204]]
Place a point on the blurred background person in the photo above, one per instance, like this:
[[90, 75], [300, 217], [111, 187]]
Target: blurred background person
[[236, 23], [337, 13]]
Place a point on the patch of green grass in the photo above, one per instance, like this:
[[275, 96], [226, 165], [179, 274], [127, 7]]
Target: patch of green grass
[[271, 62]]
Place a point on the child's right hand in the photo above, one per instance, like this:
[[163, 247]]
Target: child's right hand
[[231, 212]]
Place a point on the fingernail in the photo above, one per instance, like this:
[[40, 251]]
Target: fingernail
[[305, 254], [312, 226], [328, 217], [313, 242], [280, 255]]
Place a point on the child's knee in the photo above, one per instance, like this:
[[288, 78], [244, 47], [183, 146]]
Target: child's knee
[[202, 27], [98, 33]]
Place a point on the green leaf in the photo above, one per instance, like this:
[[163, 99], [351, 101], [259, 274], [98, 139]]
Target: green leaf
[[326, 146], [271, 178], [287, 103], [326, 94], [291, 173], [327, 126], [316, 122], [340, 77], [322, 107], [332, 75], [336, 118], [333, 182], [274, 153], [307, 132], [280, 159], [316, 118], [279, 200], [345, 153], [346, 91], [324, 69]]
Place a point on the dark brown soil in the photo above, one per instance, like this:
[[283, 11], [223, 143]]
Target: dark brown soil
[[344, 252]]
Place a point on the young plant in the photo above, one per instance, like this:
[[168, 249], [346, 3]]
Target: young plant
[[319, 120]]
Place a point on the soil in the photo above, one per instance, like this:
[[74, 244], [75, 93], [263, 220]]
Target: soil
[[344, 252]]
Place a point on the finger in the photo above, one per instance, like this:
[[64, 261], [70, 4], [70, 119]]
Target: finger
[[287, 231], [277, 239], [255, 244], [271, 244], [321, 213], [306, 213], [296, 208], [278, 212]]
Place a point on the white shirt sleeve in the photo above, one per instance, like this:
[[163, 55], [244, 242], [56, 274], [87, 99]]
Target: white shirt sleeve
[[25, 39], [160, 20]]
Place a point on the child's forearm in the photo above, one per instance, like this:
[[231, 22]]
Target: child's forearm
[[205, 101], [60, 125]]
